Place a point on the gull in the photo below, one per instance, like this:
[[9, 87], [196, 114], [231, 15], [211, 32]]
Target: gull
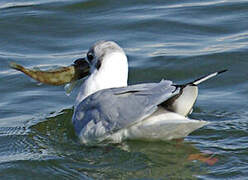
[[108, 109]]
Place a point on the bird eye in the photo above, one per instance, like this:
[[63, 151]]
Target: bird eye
[[90, 56]]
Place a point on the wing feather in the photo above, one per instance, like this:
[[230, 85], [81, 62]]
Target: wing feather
[[119, 108]]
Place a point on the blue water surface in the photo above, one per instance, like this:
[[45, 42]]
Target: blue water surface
[[177, 40]]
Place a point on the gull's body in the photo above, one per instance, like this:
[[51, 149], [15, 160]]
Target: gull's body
[[107, 109]]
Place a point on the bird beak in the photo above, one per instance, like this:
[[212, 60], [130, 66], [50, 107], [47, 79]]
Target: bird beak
[[82, 68]]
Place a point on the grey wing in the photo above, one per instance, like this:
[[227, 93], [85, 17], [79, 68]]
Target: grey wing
[[118, 108]]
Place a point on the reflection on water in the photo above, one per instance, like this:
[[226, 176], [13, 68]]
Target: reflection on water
[[55, 139]]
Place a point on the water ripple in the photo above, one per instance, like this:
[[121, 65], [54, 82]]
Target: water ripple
[[174, 40], [9, 5]]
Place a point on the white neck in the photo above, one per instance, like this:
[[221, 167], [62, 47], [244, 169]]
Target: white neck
[[112, 73]]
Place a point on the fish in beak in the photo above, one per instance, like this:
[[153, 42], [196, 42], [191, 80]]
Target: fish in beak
[[60, 76]]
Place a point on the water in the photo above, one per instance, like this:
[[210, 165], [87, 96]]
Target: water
[[178, 40]]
